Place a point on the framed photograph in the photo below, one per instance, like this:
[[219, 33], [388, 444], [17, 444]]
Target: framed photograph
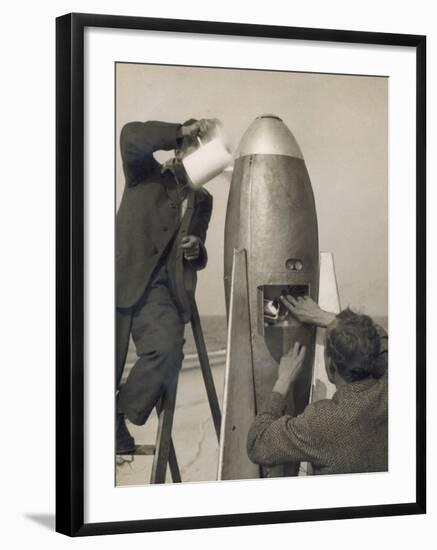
[[240, 234]]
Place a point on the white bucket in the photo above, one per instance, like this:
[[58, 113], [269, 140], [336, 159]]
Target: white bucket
[[207, 162]]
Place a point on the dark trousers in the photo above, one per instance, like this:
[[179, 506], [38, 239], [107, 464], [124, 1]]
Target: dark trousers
[[158, 333]]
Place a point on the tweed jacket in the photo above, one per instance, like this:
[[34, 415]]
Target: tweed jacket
[[148, 225], [345, 434]]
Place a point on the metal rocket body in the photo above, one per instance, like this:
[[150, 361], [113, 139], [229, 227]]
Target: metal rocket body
[[271, 215]]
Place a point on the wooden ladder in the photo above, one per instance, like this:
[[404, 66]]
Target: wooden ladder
[[164, 453]]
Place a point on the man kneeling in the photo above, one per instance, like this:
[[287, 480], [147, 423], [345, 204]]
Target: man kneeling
[[345, 434]]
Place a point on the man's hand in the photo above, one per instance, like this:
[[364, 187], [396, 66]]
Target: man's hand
[[306, 310], [191, 247], [290, 367], [200, 128], [208, 126]]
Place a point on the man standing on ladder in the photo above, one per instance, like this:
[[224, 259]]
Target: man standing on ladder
[[160, 234]]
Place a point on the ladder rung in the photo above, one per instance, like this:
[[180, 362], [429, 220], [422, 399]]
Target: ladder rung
[[145, 449], [142, 450]]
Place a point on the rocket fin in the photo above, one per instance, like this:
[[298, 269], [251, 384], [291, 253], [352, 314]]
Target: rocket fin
[[239, 382], [329, 300]]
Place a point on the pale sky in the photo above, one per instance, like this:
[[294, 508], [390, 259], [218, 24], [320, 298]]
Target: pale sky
[[341, 125]]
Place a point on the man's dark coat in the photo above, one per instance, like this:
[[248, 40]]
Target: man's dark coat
[[148, 221]]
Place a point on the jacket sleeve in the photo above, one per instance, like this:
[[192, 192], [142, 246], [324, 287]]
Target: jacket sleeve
[[275, 438], [138, 142], [200, 228]]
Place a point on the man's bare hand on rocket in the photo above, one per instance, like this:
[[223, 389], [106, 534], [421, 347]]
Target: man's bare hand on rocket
[[191, 246], [306, 310], [290, 367]]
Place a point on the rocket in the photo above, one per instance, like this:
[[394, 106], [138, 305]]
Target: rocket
[[271, 249]]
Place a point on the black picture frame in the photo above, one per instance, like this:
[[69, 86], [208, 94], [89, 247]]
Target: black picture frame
[[70, 272]]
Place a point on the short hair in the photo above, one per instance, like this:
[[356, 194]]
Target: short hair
[[353, 345]]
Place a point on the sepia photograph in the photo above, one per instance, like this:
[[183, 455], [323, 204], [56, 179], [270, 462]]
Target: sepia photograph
[[251, 274]]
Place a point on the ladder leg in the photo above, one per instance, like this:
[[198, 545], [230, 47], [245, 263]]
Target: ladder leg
[[173, 464], [165, 453], [206, 369], [163, 439]]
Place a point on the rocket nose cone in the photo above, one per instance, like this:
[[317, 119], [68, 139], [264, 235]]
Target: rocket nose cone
[[268, 135]]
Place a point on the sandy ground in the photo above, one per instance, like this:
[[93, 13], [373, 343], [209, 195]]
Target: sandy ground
[[193, 434]]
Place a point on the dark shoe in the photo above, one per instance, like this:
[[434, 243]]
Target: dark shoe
[[125, 442]]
